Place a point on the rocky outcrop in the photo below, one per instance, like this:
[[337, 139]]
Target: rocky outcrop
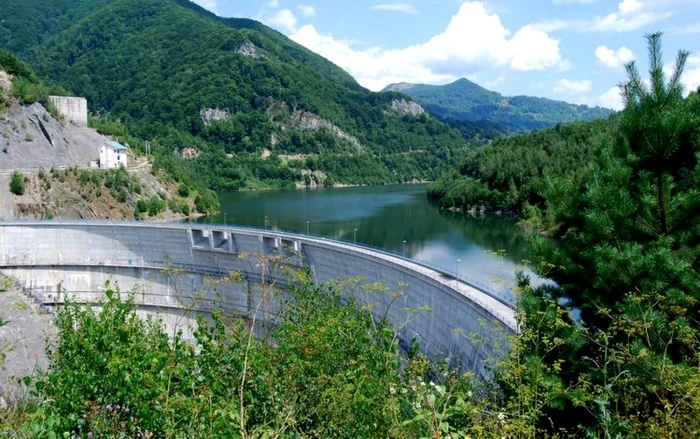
[[211, 114], [399, 87], [31, 138], [307, 121], [402, 106], [249, 49]]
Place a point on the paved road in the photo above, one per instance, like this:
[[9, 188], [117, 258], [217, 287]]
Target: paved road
[[7, 206]]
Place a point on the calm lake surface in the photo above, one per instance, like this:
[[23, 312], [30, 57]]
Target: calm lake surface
[[486, 250]]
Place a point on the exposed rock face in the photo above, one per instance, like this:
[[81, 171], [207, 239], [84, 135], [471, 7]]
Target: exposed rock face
[[402, 106], [249, 49], [189, 153], [30, 138], [401, 86], [211, 114], [306, 121]]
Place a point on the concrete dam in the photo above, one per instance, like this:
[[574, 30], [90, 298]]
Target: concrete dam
[[180, 271]]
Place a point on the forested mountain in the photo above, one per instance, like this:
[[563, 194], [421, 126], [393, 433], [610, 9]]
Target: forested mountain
[[255, 105], [464, 101], [512, 171]]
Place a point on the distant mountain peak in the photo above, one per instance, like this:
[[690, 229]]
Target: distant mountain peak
[[465, 101], [399, 87]]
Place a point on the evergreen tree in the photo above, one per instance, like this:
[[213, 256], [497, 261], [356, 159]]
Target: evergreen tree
[[627, 257]]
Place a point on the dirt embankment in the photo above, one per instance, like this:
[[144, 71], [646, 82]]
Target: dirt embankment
[[99, 195]]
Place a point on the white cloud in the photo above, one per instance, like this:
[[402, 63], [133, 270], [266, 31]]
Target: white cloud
[[687, 30], [274, 4], [495, 82], [628, 6], [629, 15], [610, 99], [406, 8], [613, 59], [565, 86], [284, 20], [307, 10], [208, 4], [445, 56], [691, 76]]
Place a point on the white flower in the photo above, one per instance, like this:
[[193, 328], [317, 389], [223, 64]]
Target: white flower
[[392, 390], [432, 384], [469, 394], [501, 416]]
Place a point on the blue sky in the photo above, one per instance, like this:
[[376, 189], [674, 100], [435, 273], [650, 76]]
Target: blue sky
[[572, 50]]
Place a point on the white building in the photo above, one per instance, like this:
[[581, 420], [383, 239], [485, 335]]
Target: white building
[[112, 155]]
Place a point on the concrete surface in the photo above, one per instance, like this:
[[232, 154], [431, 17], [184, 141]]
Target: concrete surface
[[179, 271], [74, 109]]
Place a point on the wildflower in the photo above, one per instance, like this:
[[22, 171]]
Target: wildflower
[[469, 394], [501, 416], [392, 390]]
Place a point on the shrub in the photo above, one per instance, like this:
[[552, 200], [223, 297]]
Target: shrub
[[17, 183]]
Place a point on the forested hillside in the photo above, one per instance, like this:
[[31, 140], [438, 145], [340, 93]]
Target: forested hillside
[[466, 103], [513, 171], [254, 105]]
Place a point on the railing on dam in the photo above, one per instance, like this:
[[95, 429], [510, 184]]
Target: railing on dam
[[48, 257], [504, 295]]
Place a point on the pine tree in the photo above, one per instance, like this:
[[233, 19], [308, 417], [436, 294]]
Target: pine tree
[[626, 256]]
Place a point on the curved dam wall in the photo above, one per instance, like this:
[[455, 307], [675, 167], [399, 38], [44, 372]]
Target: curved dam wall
[[180, 271]]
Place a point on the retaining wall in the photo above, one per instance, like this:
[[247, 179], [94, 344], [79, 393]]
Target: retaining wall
[[72, 108], [180, 270]]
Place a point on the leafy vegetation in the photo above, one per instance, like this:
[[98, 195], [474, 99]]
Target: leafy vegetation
[[512, 173], [627, 257], [473, 109], [26, 86], [17, 183]]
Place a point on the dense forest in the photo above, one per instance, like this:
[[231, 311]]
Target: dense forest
[[466, 104], [512, 172], [233, 89]]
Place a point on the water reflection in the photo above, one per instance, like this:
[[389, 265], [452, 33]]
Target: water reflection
[[398, 219]]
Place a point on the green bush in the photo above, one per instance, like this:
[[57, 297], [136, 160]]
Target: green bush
[[17, 183]]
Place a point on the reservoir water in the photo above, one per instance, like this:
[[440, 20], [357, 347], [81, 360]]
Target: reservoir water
[[486, 250]]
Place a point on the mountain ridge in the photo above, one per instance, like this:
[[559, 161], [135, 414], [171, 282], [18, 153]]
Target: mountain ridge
[[466, 101]]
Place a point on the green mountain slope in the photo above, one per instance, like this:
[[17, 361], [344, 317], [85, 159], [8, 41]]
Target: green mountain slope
[[465, 101], [179, 76], [512, 172]]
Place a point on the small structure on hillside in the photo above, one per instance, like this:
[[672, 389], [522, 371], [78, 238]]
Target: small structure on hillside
[[74, 109], [112, 155]]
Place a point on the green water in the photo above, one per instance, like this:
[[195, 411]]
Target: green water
[[385, 217]]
